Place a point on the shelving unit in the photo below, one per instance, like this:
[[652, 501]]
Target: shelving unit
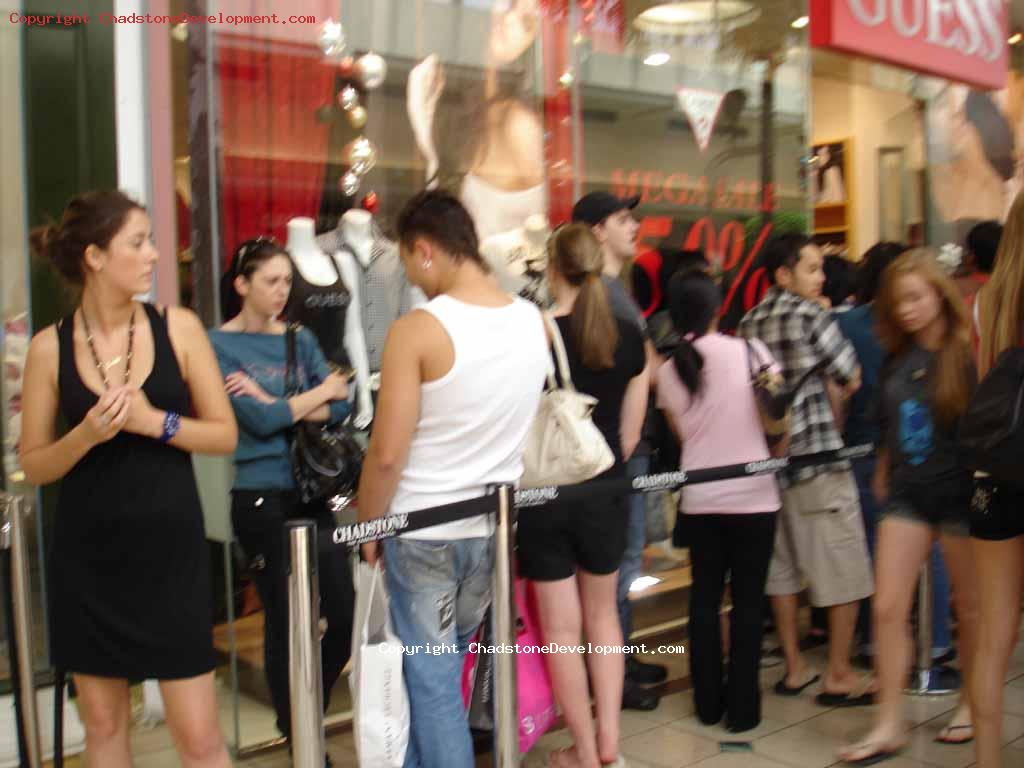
[[833, 185]]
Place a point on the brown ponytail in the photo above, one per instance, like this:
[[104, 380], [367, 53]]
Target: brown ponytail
[[576, 255], [90, 219]]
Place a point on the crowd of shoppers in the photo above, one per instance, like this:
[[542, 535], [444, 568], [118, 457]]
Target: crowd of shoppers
[[139, 388]]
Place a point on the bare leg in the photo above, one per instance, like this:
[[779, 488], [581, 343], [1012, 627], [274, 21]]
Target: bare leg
[[999, 566], [785, 607], [960, 564], [192, 720], [559, 610], [902, 547], [842, 623], [602, 627], [105, 708]]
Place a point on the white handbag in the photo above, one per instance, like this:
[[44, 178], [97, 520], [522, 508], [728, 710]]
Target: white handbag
[[563, 445]]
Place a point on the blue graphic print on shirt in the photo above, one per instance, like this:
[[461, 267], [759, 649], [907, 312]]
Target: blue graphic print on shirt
[[915, 431]]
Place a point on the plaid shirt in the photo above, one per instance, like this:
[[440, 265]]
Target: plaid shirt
[[800, 334], [385, 292]]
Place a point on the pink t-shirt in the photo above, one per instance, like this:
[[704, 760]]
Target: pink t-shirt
[[720, 426]]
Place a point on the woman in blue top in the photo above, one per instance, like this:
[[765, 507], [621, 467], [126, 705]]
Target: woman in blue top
[[250, 348]]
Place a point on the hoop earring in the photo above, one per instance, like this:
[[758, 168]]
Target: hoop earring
[[427, 263]]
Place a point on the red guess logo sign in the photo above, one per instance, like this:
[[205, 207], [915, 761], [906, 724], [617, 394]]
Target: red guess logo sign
[[963, 40]]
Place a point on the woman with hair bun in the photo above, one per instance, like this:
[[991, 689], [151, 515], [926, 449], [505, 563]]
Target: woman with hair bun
[[139, 389]]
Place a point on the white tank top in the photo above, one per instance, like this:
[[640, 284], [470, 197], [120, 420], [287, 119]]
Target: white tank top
[[473, 420]]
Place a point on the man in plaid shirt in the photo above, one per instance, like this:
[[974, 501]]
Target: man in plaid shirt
[[820, 535]]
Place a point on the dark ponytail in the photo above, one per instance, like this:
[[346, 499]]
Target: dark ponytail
[[90, 219], [693, 301]]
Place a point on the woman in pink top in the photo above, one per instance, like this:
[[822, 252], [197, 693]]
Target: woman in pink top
[[707, 397]]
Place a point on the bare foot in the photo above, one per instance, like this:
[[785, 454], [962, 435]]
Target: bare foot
[[880, 744]]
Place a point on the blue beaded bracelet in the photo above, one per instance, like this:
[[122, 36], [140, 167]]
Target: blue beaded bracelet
[[172, 423]]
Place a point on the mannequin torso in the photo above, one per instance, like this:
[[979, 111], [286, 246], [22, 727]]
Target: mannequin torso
[[519, 259]]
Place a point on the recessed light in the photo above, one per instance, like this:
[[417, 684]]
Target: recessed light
[[657, 59], [800, 23], [1015, 38], [664, 17]]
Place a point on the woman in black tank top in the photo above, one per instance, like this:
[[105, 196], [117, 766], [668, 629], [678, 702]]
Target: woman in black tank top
[[139, 390]]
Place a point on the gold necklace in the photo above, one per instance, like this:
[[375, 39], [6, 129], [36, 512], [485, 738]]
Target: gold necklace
[[102, 368]]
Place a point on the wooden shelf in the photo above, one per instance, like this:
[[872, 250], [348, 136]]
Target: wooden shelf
[[829, 206], [830, 230]]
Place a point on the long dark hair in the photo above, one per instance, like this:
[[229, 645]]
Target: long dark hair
[[694, 300], [247, 258], [89, 219], [993, 129], [872, 266], [575, 254]]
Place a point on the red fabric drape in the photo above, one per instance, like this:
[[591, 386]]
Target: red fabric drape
[[272, 78], [558, 154]]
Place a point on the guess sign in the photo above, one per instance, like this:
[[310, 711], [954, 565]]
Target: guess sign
[[962, 40]]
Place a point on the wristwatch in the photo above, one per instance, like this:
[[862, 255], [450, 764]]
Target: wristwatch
[[172, 423]]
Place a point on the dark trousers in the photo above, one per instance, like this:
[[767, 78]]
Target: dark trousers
[[258, 518], [739, 545]]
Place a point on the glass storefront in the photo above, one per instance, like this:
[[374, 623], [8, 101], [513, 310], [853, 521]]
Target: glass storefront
[[519, 107]]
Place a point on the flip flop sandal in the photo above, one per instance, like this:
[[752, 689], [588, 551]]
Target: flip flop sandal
[[949, 729], [858, 697], [561, 757], [781, 689], [875, 757]]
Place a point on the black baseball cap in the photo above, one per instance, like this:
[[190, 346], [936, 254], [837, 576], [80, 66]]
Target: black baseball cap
[[595, 207]]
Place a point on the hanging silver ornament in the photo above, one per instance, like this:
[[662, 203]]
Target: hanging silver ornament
[[350, 183], [357, 117], [371, 69], [360, 155], [348, 98], [332, 38]]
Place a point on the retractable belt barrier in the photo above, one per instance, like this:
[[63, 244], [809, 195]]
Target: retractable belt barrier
[[307, 720], [393, 525]]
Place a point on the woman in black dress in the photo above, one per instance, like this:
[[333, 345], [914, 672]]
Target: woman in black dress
[[139, 390]]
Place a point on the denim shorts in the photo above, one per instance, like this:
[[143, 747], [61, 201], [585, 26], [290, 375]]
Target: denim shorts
[[942, 503]]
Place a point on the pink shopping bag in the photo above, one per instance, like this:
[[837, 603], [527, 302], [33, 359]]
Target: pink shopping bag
[[536, 704]]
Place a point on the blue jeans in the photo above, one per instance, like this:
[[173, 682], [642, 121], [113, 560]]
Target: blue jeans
[[942, 635], [439, 591], [636, 539]]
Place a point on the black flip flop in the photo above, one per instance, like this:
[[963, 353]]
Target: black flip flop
[[826, 699], [781, 689], [955, 742]]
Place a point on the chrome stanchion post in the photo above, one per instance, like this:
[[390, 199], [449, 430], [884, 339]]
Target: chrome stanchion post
[[305, 675], [926, 680], [12, 536], [506, 722]]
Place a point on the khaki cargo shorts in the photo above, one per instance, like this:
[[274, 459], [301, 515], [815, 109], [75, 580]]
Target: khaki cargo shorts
[[820, 538]]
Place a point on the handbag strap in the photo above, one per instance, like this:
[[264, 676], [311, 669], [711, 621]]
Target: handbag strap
[[560, 357], [291, 373]]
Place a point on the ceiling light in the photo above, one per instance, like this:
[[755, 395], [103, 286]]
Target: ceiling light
[[684, 15], [800, 23], [1015, 38], [657, 58]]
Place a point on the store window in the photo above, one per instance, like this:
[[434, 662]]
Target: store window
[[324, 128]]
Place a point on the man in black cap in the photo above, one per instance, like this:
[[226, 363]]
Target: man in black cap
[[611, 219]]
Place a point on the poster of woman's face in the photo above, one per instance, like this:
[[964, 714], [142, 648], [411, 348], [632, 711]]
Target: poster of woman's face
[[828, 173], [975, 140]]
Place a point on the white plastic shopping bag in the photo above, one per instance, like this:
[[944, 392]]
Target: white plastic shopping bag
[[380, 704]]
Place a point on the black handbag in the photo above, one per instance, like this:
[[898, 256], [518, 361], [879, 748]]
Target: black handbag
[[326, 459], [991, 434]]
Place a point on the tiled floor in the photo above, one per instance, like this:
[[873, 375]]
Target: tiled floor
[[794, 733]]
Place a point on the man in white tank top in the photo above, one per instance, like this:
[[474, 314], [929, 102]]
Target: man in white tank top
[[461, 378]]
